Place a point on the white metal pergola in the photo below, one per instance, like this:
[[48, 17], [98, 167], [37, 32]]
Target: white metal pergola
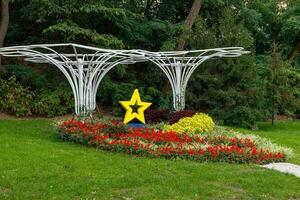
[[85, 66]]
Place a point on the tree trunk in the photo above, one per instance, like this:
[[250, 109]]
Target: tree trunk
[[188, 23], [4, 22], [148, 8], [294, 52]]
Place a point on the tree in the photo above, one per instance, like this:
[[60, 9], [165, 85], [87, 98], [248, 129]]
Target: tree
[[290, 30], [233, 90], [4, 22], [282, 99], [188, 24], [229, 89]]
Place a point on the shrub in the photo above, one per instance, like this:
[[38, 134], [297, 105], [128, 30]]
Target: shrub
[[297, 113], [176, 116], [170, 145], [156, 116], [113, 91], [57, 102], [20, 101], [199, 123], [26, 76], [15, 98]]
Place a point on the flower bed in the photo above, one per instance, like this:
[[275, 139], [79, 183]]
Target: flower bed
[[171, 145]]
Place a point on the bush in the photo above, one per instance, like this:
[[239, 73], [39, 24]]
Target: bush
[[20, 101], [297, 113], [244, 116], [15, 98], [199, 123], [51, 103], [176, 116], [156, 116], [26, 76]]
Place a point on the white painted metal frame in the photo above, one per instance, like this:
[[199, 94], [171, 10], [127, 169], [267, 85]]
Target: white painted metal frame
[[180, 65], [84, 66]]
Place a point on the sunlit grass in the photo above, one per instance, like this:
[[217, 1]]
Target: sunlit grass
[[35, 164], [286, 133]]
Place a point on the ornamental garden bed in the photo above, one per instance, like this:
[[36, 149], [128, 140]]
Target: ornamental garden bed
[[194, 138]]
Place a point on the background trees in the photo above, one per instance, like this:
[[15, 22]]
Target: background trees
[[236, 91]]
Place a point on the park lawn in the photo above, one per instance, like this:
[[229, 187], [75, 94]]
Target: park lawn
[[285, 133], [35, 164]]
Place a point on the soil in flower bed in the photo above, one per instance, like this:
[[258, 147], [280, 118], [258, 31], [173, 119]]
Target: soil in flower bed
[[114, 136]]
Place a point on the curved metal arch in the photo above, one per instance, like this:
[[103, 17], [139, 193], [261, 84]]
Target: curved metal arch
[[170, 77], [179, 69], [78, 79], [85, 71], [100, 77], [72, 77], [89, 91], [200, 61], [60, 67]]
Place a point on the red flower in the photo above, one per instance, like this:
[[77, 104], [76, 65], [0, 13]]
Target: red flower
[[149, 142]]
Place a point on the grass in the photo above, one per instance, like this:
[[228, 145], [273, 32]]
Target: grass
[[35, 164], [286, 133]]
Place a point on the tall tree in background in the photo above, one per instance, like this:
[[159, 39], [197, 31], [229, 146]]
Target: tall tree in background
[[281, 96], [4, 22], [188, 24], [291, 29], [232, 90]]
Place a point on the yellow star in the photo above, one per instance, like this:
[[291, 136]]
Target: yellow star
[[134, 101]]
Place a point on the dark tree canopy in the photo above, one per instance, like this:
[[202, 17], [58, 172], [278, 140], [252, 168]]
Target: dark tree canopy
[[236, 91]]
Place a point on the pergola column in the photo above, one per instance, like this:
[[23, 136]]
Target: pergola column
[[179, 66], [177, 72], [90, 74]]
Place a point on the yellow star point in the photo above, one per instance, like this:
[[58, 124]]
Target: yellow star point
[[135, 100]]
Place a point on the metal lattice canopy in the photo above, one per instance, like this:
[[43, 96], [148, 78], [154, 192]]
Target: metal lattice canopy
[[85, 66]]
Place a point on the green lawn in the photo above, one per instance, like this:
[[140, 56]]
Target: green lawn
[[286, 133], [34, 164]]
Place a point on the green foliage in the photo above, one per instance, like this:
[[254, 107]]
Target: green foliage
[[15, 98], [283, 96], [231, 32], [71, 32], [21, 101], [290, 27], [294, 78], [52, 103], [26, 76], [236, 90], [229, 89], [111, 92]]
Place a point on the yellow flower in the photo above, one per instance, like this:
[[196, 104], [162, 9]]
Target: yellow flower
[[198, 123]]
